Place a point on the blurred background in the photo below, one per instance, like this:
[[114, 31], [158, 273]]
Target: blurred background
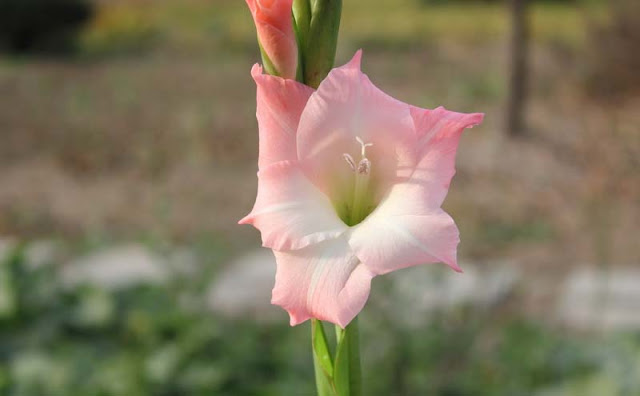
[[128, 151]]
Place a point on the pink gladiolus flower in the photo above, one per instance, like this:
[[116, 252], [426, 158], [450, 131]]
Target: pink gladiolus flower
[[274, 25], [350, 185]]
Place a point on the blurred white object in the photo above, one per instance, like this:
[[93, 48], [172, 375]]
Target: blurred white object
[[243, 289], [6, 247], [424, 290], [39, 254], [116, 268], [595, 299]]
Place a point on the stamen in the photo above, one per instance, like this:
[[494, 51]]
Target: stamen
[[364, 167], [350, 161], [361, 201]]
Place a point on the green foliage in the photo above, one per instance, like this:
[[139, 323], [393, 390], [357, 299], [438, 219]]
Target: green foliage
[[145, 340], [136, 341], [473, 356]]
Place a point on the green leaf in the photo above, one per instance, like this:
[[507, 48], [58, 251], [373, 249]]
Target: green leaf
[[320, 347], [322, 360], [347, 376], [324, 385]]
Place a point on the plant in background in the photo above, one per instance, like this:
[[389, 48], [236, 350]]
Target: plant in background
[[350, 184]]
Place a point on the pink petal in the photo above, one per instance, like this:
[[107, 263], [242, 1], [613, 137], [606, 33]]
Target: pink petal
[[408, 227], [441, 121], [290, 212], [274, 25], [345, 106], [280, 104], [386, 242], [439, 133], [324, 281]]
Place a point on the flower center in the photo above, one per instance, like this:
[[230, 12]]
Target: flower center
[[360, 200]]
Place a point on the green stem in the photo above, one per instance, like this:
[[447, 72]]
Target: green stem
[[342, 376], [316, 23]]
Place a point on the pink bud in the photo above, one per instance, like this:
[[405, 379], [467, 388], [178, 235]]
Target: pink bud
[[274, 24]]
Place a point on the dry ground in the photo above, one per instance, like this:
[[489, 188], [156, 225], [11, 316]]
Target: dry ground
[[164, 142]]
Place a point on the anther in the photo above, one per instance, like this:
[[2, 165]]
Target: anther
[[350, 161], [364, 167]]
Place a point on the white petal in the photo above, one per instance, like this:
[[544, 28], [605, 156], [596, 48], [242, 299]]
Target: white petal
[[290, 211]]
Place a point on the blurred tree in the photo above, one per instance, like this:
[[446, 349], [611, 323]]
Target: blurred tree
[[515, 123], [614, 56], [41, 25]]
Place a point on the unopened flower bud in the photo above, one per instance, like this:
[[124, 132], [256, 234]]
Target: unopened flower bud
[[276, 36]]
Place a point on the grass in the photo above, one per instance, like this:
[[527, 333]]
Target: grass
[[224, 25]]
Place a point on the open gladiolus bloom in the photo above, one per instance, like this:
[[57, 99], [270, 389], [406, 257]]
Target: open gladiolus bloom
[[350, 186]]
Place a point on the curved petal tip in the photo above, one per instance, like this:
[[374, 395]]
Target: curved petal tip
[[248, 219], [356, 61], [454, 266], [475, 119], [256, 71]]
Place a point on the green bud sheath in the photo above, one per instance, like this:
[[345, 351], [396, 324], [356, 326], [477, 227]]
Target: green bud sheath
[[301, 25], [266, 62], [320, 50], [302, 21]]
